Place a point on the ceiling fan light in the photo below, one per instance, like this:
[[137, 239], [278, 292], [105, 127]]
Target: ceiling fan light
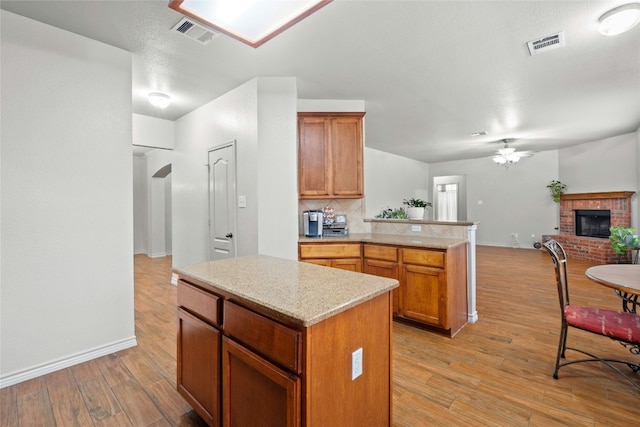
[[506, 151], [501, 160], [620, 19], [159, 100]]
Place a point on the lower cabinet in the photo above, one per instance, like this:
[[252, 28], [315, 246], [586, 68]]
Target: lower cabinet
[[198, 367], [345, 256], [433, 283], [247, 376], [383, 261], [241, 366], [424, 295]]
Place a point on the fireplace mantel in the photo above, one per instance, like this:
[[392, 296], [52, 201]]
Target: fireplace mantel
[[593, 196]]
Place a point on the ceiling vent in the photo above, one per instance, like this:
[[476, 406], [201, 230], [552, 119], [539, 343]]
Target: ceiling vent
[[191, 29], [546, 43]]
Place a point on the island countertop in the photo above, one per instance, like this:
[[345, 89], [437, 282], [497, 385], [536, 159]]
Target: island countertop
[[303, 294]]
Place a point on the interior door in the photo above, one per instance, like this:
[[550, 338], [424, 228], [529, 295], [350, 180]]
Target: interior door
[[222, 197]]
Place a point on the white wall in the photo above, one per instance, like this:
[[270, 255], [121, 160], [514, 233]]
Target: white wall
[[159, 210], [140, 208], [513, 201], [153, 132], [67, 223], [277, 167], [388, 179], [604, 165], [235, 116]]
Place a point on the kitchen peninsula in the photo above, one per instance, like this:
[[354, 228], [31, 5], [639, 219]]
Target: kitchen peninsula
[[284, 342]]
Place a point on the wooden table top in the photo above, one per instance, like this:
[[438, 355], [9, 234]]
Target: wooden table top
[[623, 277]]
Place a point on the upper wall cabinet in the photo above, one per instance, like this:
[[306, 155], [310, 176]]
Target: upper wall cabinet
[[330, 151]]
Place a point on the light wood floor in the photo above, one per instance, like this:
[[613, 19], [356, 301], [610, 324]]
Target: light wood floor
[[496, 372]]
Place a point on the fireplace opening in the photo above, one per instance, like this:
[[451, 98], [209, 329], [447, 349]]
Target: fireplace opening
[[593, 223]]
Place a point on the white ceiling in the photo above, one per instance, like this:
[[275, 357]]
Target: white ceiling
[[430, 72]]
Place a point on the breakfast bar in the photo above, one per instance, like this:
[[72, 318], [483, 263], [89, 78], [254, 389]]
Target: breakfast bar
[[268, 341]]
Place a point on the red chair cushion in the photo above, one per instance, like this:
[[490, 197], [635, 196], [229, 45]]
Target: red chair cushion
[[614, 324]]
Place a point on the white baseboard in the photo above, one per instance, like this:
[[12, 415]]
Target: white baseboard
[[157, 255], [47, 368]]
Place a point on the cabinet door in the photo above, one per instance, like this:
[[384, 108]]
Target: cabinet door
[[424, 295], [346, 156], [199, 366], [384, 269], [347, 264], [314, 157], [256, 392]]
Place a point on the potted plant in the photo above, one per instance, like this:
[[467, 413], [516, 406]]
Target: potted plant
[[389, 213], [557, 189], [416, 207], [623, 242]]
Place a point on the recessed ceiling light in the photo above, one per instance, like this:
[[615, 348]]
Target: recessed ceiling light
[[251, 21], [620, 19], [159, 100]]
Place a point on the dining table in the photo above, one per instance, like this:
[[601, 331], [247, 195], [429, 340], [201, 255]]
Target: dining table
[[623, 278]]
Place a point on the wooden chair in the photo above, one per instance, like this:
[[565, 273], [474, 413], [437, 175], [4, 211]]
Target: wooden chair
[[617, 325]]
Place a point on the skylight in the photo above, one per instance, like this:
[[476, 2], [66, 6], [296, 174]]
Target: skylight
[[253, 22]]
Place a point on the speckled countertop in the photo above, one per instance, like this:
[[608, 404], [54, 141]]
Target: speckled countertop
[[301, 293], [390, 239]]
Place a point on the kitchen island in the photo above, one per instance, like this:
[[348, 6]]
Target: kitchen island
[[267, 341]]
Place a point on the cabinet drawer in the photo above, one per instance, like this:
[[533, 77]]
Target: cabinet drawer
[[201, 303], [274, 341], [423, 257], [330, 251], [386, 253]]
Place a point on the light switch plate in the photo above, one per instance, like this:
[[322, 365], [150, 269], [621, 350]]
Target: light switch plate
[[242, 201]]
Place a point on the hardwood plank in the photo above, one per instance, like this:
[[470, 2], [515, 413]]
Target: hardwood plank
[[99, 398], [68, 405], [136, 403], [9, 406], [34, 409]]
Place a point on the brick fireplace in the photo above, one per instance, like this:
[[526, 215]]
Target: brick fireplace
[[592, 248]]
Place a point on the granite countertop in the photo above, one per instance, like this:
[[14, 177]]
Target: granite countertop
[[421, 221], [301, 293], [390, 239]]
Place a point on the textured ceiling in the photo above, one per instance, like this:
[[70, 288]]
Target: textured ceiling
[[430, 72]]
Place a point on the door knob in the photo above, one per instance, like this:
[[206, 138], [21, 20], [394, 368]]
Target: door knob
[[228, 236]]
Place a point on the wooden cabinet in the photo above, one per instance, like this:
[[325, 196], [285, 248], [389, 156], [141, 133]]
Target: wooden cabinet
[[346, 256], [330, 155], [433, 284], [259, 358], [198, 351], [382, 261], [433, 288], [253, 368]]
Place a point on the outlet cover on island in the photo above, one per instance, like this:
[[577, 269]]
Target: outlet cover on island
[[356, 364], [416, 228]]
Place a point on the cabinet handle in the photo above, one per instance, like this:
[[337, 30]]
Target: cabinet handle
[[229, 235]]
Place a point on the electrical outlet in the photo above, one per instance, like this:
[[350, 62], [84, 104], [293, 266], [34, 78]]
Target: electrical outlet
[[356, 364], [416, 228]]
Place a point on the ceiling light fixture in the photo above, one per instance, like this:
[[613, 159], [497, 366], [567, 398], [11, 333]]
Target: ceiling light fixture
[[252, 22], [620, 19], [159, 100], [507, 156]]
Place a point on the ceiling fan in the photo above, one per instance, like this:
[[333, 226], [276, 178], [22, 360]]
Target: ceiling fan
[[506, 156]]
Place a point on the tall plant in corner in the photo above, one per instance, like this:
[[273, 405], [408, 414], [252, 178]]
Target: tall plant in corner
[[557, 189]]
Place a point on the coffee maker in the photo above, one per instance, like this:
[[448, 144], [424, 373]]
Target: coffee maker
[[312, 223]]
